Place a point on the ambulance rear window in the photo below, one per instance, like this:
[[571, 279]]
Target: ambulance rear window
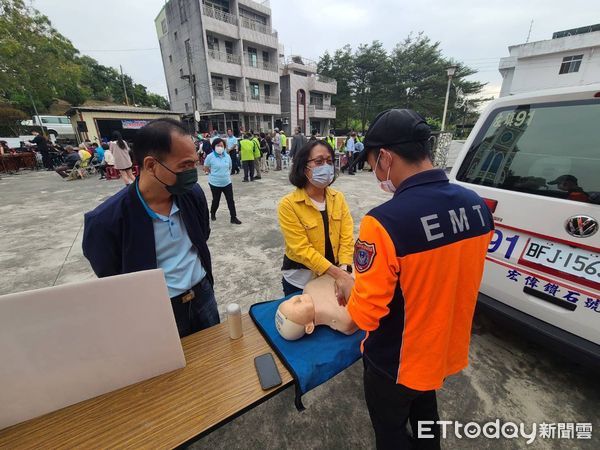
[[550, 149]]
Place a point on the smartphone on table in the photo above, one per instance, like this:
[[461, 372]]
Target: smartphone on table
[[268, 374]]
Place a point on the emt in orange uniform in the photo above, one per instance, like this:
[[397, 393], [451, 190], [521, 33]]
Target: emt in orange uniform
[[419, 261], [315, 221]]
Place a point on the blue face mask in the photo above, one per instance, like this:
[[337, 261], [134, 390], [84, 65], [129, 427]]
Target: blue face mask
[[322, 176]]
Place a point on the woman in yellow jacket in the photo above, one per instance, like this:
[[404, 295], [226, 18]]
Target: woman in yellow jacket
[[315, 221]]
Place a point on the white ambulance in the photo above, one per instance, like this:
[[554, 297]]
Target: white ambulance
[[535, 159]]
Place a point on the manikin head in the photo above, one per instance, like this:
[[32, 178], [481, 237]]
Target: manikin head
[[295, 317]]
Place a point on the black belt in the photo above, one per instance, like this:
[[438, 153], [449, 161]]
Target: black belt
[[188, 295]]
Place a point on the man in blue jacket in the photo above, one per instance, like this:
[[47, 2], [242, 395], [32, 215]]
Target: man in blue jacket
[[160, 221]]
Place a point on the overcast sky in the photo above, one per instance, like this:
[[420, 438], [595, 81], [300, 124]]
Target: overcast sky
[[478, 33]]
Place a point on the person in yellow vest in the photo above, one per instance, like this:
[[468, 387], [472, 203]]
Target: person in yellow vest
[[257, 155], [331, 140], [283, 138], [247, 154]]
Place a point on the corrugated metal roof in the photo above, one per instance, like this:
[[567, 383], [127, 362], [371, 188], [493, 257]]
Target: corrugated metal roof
[[122, 109]]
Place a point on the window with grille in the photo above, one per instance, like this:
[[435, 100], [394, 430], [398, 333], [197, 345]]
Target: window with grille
[[212, 42], [254, 91], [182, 11], [252, 57], [570, 64]]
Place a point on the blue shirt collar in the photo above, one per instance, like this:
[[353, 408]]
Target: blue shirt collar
[[149, 211], [428, 176]]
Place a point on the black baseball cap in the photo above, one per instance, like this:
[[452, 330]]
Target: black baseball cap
[[394, 127]]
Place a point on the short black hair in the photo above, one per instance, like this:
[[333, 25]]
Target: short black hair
[[154, 138], [216, 142], [297, 175], [413, 152]]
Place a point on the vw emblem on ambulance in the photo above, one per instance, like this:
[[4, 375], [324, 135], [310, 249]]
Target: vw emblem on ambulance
[[581, 226]]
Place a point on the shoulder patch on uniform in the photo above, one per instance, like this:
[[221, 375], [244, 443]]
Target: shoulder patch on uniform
[[364, 255]]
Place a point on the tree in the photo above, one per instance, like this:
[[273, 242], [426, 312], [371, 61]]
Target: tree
[[340, 67], [370, 81], [412, 75], [36, 60]]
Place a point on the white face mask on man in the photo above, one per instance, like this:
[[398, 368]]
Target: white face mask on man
[[387, 185]]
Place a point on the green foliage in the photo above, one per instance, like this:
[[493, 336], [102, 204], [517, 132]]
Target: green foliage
[[412, 75], [10, 120], [36, 59]]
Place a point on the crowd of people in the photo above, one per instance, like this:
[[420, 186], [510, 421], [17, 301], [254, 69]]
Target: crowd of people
[[412, 290]]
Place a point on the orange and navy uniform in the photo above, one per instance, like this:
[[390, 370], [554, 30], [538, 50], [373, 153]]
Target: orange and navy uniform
[[419, 261]]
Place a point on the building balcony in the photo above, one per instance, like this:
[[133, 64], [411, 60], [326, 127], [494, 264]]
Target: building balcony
[[257, 26], [260, 63], [258, 33], [261, 6], [321, 83], [226, 100], [217, 14], [263, 104], [220, 22], [321, 111], [271, 100], [224, 57], [260, 74], [228, 95]]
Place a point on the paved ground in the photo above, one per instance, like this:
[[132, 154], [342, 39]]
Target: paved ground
[[509, 378]]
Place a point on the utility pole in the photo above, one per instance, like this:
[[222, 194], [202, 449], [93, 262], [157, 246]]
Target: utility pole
[[39, 120], [192, 82], [123, 81]]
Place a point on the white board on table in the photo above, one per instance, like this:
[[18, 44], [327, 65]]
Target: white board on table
[[65, 344]]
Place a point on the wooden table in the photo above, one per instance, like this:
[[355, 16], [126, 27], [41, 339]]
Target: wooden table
[[218, 384], [12, 163]]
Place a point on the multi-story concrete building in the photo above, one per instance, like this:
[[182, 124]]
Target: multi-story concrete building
[[221, 58], [305, 97], [570, 58]]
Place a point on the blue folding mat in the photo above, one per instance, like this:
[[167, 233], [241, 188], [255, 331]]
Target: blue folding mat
[[312, 359]]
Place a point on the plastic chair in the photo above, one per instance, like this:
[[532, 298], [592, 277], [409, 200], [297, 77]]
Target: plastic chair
[[112, 173]]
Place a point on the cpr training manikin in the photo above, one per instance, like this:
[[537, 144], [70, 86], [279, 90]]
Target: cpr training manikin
[[317, 305]]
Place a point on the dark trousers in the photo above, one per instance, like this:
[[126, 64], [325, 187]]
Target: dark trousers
[[360, 165], [248, 169], [196, 314], [216, 198], [351, 159], [289, 288], [392, 405], [46, 160], [235, 162]]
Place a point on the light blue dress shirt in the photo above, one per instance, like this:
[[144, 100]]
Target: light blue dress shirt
[[220, 169], [350, 146], [175, 253], [231, 142]]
